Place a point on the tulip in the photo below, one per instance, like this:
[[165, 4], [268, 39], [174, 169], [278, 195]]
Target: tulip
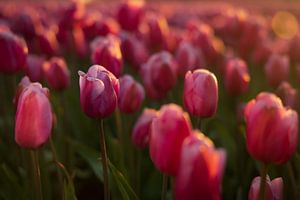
[[288, 95], [57, 73], [201, 169], [131, 94], [13, 51], [273, 189], [33, 117], [142, 128], [107, 52], [168, 130], [47, 41], [271, 129], [294, 48], [99, 90], [277, 69], [200, 93], [159, 74], [25, 81], [236, 77], [34, 67]]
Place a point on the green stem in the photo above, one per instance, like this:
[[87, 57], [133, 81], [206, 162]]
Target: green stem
[[292, 179], [104, 161], [121, 138], [263, 177], [164, 187], [36, 174]]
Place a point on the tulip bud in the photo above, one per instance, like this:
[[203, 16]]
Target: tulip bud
[[47, 41], [13, 52], [273, 189], [131, 94], [34, 68], [33, 117], [271, 130], [201, 169], [57, 73], [21, 86], [99, 90], [107, 52], [294, 48], [168, 130], [277, 69], [236, 77], [288, 95], [142, 128], [159, 74], [200, 93]]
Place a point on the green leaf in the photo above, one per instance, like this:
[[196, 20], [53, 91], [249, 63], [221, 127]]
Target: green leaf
[[69, 192]]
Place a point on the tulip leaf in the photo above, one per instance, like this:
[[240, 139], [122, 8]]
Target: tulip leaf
[[69, 192]]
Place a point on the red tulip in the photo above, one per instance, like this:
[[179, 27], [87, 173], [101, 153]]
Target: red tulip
[[169, 129], [201, 169], [47, 41], [13, 52], [200, 93], [277, 69], [272, 130], [236, 77], [142, 128], [294, 48], [57, 73], [33, 117], [131, 94], [288, 95], [99, 90], [273, 189], [159, 74], [107, 52], [34, 68]]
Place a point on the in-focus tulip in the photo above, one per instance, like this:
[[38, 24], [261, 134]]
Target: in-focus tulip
[[142, 128], [159, 74], [99, 90], [277, 69], [288, 95], [271, 129], [13, 52], [107, 52], [200, 93], [25, 81], [131, 95], [201, 169], [33, 117], [34, 68], [273, 189], [168, 130], [57, 73], [237, 77]]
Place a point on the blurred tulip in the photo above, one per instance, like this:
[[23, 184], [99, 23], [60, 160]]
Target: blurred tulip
[[159, 74], [80, 44], [47, 41], [57, 73], [33, 117], [142, 128], [99, 90], [200, 93], [271, 129], [201, 169], [273, 189], [34, 67], [13, 51], [237, 77], [107, 52], [262, 52], [294, 48], [25, 81], [131, 95], [288, 95], [169, 129], [277, 69]]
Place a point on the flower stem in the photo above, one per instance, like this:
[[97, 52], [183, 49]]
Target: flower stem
[[104, 161], [36, 174], [164, 187], [262, 188]]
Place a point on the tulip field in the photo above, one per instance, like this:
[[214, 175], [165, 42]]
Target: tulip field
[[138, 100]]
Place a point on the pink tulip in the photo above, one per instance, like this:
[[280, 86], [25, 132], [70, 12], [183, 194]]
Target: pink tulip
[[13, 51], [159, 74], [288, 95], [142, 128], [294, 48], [25, 81], [57, 73], [272, 130], [273, 189], [131, 94], [99, 90], [200, 93], [168, 130], [34, 68], [201, 169], [33, 117], [107, 52], [236, 76]]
